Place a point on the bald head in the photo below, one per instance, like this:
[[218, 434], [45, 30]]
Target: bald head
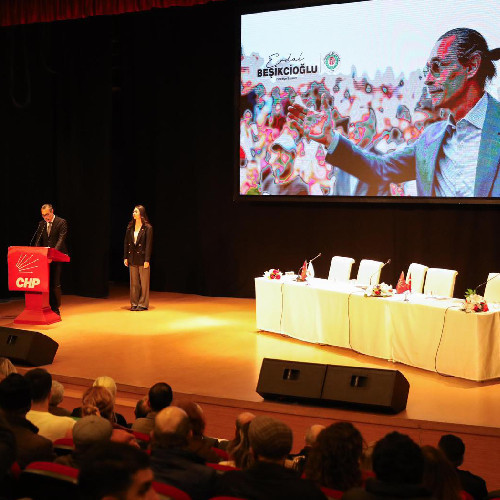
[[312, 433], [172, 428]]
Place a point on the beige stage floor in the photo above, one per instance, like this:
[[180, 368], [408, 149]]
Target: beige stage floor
[[210, 347]]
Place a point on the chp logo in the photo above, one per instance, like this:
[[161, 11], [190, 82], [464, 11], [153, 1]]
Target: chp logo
[[26, 264], [331, 60]]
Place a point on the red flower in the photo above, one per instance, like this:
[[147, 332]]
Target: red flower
[[278, 276], [377, 292], [485, 307]]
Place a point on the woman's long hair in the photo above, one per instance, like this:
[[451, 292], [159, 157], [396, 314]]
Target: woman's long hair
[[334, 459], [144, 216], [239, 448], [440, 477], [98, 401]]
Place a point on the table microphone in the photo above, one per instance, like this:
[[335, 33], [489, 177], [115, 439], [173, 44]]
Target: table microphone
[[383, 265], [305, 265], [489, 279]]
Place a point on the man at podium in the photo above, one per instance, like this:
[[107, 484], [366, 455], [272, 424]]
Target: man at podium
[[51, 232]]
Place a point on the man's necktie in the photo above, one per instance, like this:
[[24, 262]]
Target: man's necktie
[[49, 227]]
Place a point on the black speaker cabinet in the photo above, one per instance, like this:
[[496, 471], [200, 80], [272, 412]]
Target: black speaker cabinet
[[27, 347], [291, 380], [370, 388]]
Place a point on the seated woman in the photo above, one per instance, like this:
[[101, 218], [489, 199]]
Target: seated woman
[[199, 443], [334, 460], [239, 448], [109, 384]]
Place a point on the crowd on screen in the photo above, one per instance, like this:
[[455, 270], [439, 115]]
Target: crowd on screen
[[165, 446], [379, 117]]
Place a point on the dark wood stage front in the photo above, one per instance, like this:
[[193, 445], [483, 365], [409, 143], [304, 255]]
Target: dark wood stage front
[[209, 349]]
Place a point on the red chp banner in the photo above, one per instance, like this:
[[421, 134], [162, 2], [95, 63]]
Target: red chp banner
[[28, 269]]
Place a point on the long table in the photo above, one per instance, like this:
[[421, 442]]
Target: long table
[[427, 332]]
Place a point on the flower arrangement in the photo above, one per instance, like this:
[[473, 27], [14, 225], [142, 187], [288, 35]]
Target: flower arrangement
[[474, 302], [380, 290], [273, 274]]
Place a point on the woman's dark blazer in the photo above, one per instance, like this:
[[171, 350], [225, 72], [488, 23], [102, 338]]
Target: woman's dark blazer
[[140, 252]]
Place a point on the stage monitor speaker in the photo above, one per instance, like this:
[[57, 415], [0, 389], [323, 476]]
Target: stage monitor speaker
[[27, 347], [291, 380], [366, 388]]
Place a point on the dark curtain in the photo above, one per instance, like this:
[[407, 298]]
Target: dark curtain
[[165, 117], [55, 107], [14, 12]]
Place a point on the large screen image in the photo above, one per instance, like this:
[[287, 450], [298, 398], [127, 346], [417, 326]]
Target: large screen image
[[383, 98]]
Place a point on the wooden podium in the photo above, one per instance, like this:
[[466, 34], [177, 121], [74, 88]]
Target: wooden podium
[[29, 273]]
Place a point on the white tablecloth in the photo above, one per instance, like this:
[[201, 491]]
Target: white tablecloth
[[426, 332]]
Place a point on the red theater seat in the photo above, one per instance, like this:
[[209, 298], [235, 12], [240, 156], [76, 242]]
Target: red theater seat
[[167, 492], [49, 481]]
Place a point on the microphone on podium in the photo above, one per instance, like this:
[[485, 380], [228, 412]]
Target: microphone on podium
[[379, 270]]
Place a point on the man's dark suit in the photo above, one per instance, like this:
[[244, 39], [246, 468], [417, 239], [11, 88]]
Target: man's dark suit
[[57, 240]]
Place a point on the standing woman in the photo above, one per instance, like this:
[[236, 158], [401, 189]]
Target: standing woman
[[137, 254]]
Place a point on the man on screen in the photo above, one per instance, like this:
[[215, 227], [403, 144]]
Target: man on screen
[[51, 232], [282, 176], [459, 157]]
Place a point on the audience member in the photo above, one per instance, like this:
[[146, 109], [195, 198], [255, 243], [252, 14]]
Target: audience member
[[198, 442], [298, 460], [267, 478], [49, 426], [159, 397], [15, 402], [98, 401], [7, 459], [6, 368], [56, 397], [171, 459], [239, 448], [87, 432], [334, 459], [440, 477], [398, 464], [141, 408], [454, 449], [115, 471], [109, 384]]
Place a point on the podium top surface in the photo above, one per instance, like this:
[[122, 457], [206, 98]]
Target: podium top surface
[[49, 253]]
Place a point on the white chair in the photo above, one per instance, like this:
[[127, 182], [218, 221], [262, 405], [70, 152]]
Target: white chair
[[417, 273], [492, 290], [440, 282], [340, 268], [369, 272]]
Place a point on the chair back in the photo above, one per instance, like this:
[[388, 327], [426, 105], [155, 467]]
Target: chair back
[[492, 290], [332, 494], [340, 268], [440, 282], [49, 481], [168, 492], [417, 272], [369, 272]]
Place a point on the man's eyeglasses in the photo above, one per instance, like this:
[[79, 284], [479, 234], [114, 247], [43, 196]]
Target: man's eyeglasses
[[435, 67]]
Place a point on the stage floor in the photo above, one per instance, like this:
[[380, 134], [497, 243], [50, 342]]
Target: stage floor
[[210, 347]]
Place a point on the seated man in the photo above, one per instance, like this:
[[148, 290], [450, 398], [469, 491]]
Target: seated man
[[171, 459], [115, 471], [49, 426], [454, 449], [267, 478], [398, 463], [15, 402], [87, 432], [159, 397]]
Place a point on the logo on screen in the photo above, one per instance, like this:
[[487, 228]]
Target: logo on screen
[[331, 60], [26, 263]]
